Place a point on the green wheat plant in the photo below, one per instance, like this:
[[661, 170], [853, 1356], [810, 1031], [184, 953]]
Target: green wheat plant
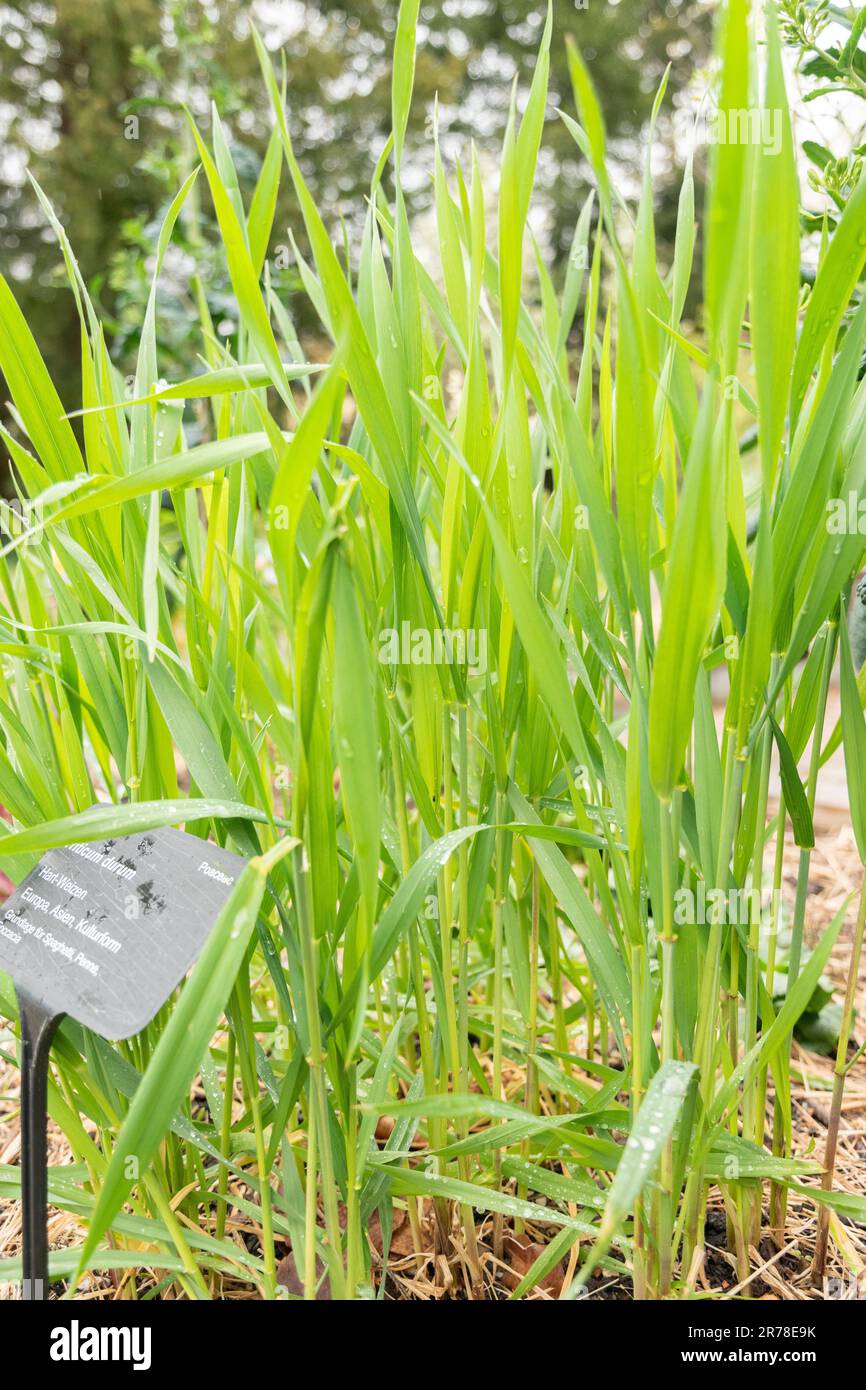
[[426, 632]]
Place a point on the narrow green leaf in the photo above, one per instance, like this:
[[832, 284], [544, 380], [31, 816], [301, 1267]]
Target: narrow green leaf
[[775, 258], [178, 1053], [853, 741], [796, 803]]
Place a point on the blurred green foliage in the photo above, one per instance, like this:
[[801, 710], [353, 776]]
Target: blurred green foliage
[[812, 29], [91, 103]]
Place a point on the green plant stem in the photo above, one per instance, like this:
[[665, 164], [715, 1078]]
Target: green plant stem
[[317, 1079], [498, 992], [705, 1042], [753, 1122], [462, 1079], [311, 1210], [415, 965], [637, 966], [554, 946], [225, 1137], [667, 939], [532, 1033], [451, 1052], [169, 1218], [416, 970], [780, 1192], [840, 1072], [132, 774], [709, 998], [463, 904], [770, 973], [354, 1256], [530, 1099], [243, 1017], [811, 789]]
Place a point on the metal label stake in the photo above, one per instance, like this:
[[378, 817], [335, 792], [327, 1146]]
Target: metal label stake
[[37, 1029], [102, 931]]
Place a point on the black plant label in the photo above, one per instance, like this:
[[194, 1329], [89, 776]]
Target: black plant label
[[104, 931]]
